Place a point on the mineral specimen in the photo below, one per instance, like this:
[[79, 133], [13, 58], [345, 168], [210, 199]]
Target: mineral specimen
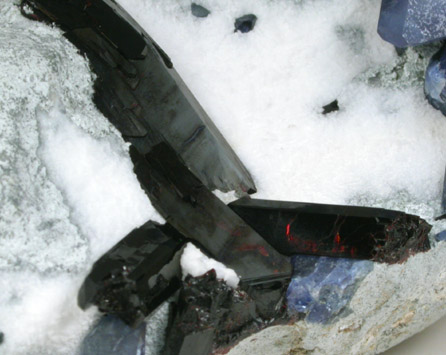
[[435, 83], [331, 107], [136, 275], [412, 22], [211, 315], [138, 90], [245, 23], [331, 230], [111, 336], [199, 11], [199, 215], [322, 287]]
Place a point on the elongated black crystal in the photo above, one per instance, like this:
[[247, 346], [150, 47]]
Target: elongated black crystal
[[136, 275], [343, 231], [199, 215], [138, 90]]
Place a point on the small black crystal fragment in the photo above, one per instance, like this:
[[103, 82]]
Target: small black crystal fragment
[[193, 210], [331, 107], [2, 338], [110, 335], [136, 275], [245, 23], [199, 11], [140, 93], [210, 316], [331, 230]]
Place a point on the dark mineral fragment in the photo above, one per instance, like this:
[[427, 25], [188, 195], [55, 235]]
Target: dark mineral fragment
[[193, 210], [110, 336], [342, 231], [331, 107], [199, 11], [136, 275], [409, 23], [138, 90], [2, 337], [209, 315], [245, 23]]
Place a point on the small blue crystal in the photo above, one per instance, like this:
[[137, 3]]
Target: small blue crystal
[[435, 81], [412, 22], [322, 287], [440, 236], [199, 11], [112, 336]]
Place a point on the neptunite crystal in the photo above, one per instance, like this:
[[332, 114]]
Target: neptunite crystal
[[136, 275], [435, 83], [138, 90], [331, 107], [333, 230], [110, 335], [322, 287], [210, 315], [412, 22], [245, 23]]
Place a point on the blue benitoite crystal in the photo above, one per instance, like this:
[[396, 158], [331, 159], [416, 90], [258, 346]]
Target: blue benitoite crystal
[[322, 287], [440, 236], [435, 81], [412, 22], [112, 336]]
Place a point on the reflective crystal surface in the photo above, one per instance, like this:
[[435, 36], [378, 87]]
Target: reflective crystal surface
[[334, 230], [412, 22], [435, 82], [140, 92], [322, 287], [110, 335]]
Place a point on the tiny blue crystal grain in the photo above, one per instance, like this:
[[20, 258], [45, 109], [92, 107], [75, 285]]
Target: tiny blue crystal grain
[[322, 287], [112, 336], [412, 22], [199, 11], [245, 23], [440, 236], [435, 81]]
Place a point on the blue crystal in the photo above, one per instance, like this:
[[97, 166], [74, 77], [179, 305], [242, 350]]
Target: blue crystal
[[440, 236], [245, 23], [322, 287], [112, 336], [198, 10], [435, 81], [412, 22]]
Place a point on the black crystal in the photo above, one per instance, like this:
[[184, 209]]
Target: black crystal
[[138, 90], [199, 11], [209, 315], [193, 210], [110, 335], [245, 23], [331, 107], [136, 275], [2, 338], [332, 230]]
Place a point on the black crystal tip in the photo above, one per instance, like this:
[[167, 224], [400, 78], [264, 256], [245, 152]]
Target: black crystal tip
[[199, 11], [331, 107], [2, 337], [245, 23]]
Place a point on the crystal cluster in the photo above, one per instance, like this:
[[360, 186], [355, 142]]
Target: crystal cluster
[[179, 157]]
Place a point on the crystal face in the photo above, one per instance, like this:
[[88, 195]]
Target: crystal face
[[333, 230], [136, 275], [245, 23], [110, 335], [322, 287], [199, 11], [412, 22], [130, 68], [435, 81]]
